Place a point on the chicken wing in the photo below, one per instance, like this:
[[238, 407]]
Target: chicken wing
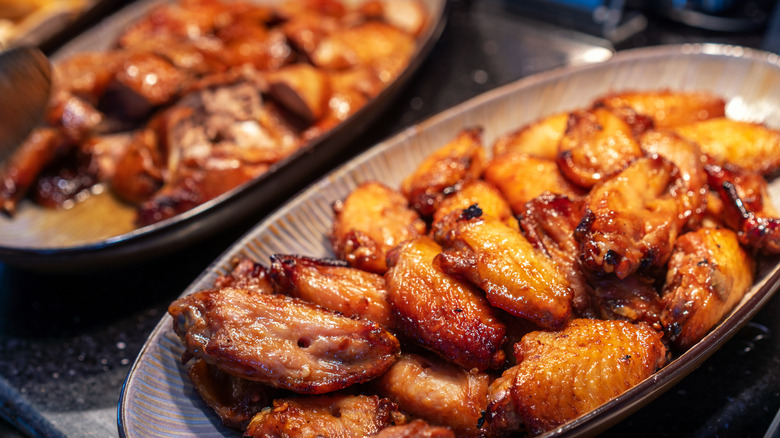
[[246, 274], [539, 139], [444, 171], [369, 222], [445, 315], [521, 177], [438, 392], [336, 416], [280, 341], [632, 219], [333, 285], [709, 273], [515, 276], [564, 374], [415, 429], [668, 108], [597, 144], [477, 191]]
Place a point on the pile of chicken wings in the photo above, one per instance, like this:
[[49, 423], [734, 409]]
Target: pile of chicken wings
[[498, 294]]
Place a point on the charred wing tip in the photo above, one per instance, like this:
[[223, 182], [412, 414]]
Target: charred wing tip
[[472, 212]]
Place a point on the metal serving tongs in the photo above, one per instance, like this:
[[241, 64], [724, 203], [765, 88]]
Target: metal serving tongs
[[25, 85]]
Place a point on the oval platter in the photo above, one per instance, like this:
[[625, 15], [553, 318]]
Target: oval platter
[[157, 394], [99, 232]]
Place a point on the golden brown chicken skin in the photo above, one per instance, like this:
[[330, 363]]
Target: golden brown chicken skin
[[445, 315], [444, 171], [336, 416], [521, 177], [632, 219], [477, 191], [372, 220], [438, 392], [280, 341], [668, 108], [246, 274], [752, 146], [234, 400], [332, 284], [515, 276], [415, 429], [709, 273], [538, 139], [563, 374], [597, 144]]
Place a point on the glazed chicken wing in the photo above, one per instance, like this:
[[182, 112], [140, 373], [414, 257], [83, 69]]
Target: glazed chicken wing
[[280, 341], [633, 219], [246, 274], [372, 220], [515, 276], [752, 146], [415, 429], [445, 315], [709, 273], [597, 144], [333, 416], [539, 139], [477, 191], [444, 170], [333, 285], [668, 108], [521, 177], [438, 392], [564, 374]]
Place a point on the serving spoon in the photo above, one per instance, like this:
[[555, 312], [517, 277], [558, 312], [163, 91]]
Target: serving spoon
[[25, 85]]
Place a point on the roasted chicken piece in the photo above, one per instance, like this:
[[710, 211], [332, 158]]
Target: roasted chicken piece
[[490, 201], [515, 276], [234, 400], [668, 108], [564, 374], [336, 416], [302, 89], [752, 146], [415, 429], [597, 143], [709, 273], [372, 220], [332, 284], [521, 177], [445, 315], [438, 392], [632, 219], [444, 171], [687, 156], [280, 341], [539, 139], [634, 298], [745, 206], [246, 274]]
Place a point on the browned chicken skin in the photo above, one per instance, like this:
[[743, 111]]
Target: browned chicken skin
[[477, 191], [441, 313], [336, 416], [436, 391], [562, 375], [709, 273], [668, 108], [372, 220], [333, 285], [415, 429], [538, 139], [281, 341]]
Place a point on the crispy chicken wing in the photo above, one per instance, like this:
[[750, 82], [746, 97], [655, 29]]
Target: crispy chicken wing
[[441, 313], [597, 144], [234, 400], [280, 341], [444, 171], [709, 273], [521, 177], [752, 146], [333, 285], [539, 139], [562, 375], [668, 108], [477, 191], [369, 222], [516, 277], [334, 416], [436, 391], [633, 219], [634, 298]]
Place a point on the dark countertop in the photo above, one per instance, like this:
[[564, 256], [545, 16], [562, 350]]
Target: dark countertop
[[67, 341]]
